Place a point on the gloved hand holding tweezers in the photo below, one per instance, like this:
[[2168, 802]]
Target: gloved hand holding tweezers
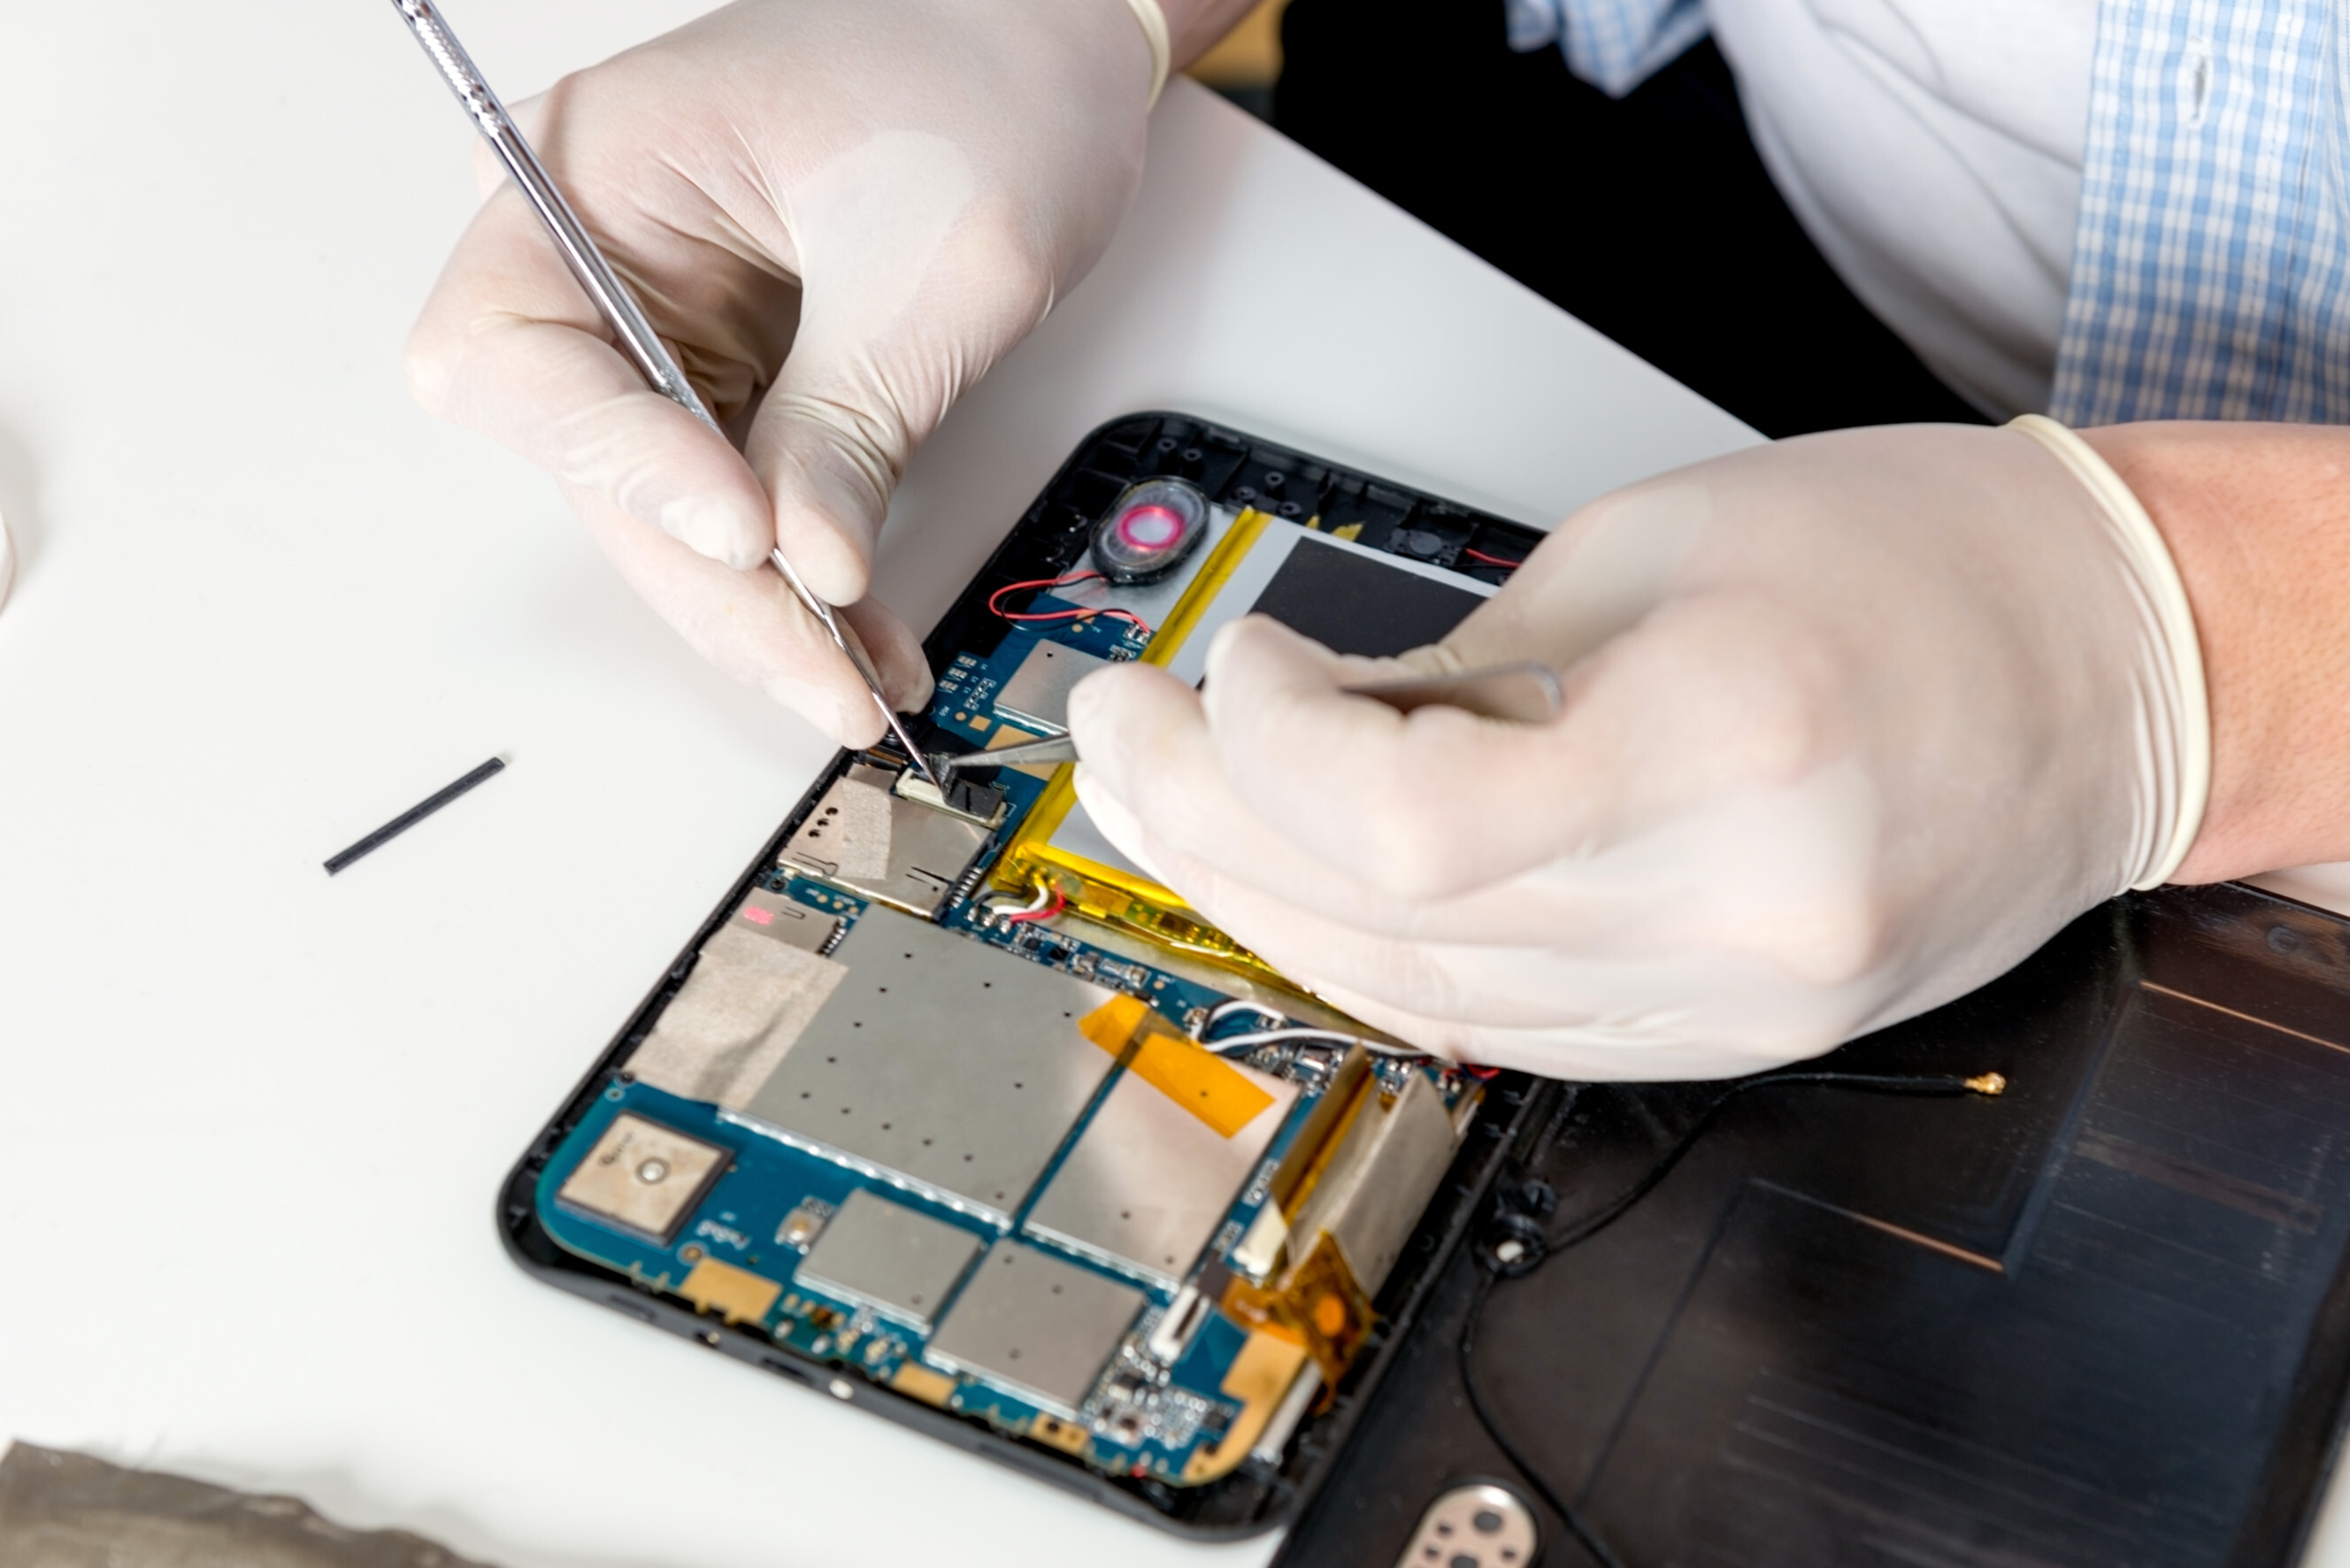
[[1852, 724]]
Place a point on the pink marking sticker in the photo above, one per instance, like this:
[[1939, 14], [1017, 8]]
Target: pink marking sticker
[[757, 916]]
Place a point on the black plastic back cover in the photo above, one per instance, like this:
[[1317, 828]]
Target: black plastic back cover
[[2103, 1319]]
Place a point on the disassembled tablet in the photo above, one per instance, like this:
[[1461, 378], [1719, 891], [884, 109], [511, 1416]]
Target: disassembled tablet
[[954, 1112]]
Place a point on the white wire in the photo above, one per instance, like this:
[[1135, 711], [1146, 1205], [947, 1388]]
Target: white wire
[[1044, 896], [1224, 1009], [1231, 1042]]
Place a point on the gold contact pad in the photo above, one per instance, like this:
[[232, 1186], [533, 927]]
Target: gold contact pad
[[641, 1175]]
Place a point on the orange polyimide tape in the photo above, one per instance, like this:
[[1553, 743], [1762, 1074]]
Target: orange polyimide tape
[[1194, 1077]]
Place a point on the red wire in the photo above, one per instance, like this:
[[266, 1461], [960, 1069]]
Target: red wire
[[1059, 903], [1491, 560], [995, 601]]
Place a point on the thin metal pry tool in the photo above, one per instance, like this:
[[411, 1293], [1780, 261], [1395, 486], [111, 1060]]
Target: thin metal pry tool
[[1524, 692], [611, 297]]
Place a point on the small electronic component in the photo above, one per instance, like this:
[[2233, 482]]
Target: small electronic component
[[864, 838], [736, 1294], [1149, 531], [787, 921], [971, 793], [940, 1064], [1285, 1416], [755, 987], [930, 1388], [888, 1257], [1039, 1327], [1184, 1317], [804, 1224], [643, 1177], [1259, 1251], [1038, 695]]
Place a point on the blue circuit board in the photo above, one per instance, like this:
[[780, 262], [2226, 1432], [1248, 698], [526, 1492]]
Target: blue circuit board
[[965, 700], [1144, 1418]]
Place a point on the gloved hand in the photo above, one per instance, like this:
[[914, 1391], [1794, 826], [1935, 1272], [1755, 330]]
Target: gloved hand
[[1853, 723], [893, 191]]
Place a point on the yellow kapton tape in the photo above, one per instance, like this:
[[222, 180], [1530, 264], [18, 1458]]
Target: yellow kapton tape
[[1194, 1077]]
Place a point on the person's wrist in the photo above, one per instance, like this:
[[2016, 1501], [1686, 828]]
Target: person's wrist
[[1152, 18], [2166, 681], [2255, 515]]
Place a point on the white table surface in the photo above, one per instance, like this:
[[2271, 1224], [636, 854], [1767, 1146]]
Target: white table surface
[[254, 1119]]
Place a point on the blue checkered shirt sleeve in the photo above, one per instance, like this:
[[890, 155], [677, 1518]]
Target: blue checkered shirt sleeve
[[2211, 278], [1613, 45]]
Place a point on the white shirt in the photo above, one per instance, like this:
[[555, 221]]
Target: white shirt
[[1932, 150]]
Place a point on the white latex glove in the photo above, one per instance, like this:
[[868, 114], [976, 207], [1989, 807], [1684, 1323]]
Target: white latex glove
[[894, 192], [1853, 723]]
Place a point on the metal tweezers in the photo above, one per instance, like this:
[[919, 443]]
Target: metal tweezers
[[1525, 692]]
